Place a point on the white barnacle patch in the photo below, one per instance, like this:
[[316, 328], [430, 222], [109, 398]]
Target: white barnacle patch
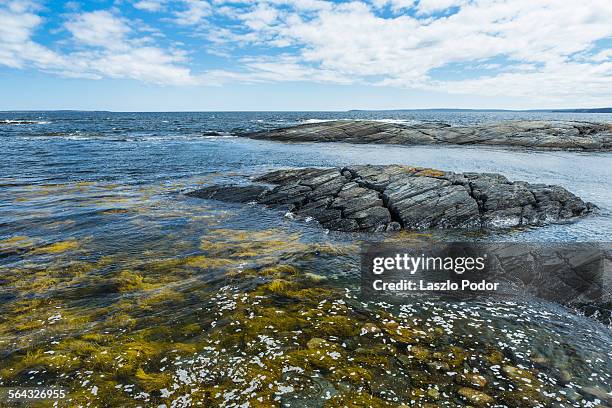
[[282, 389], [334, 355]]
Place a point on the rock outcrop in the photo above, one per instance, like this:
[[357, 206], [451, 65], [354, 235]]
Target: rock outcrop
[[388, 198], [566, 135]]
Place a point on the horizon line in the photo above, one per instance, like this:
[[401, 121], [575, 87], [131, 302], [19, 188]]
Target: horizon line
[[555, 110]]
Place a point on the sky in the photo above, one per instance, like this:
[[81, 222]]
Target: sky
[[194, 55]]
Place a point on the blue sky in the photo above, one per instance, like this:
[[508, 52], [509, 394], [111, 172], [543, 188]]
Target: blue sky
[[161, 55]]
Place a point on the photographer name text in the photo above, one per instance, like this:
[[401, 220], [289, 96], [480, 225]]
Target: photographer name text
[[406, 285]]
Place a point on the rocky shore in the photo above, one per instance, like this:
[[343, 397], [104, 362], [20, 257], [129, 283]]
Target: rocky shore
[[389, 198], [565, 135]]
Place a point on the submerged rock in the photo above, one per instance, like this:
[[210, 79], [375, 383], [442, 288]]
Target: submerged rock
[[389, 198], [567, 135], [238, 194], [473, 380], [476, 397]]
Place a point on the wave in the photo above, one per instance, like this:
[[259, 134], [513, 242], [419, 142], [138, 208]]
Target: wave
[[397, 121], [219, 136], [126, 138], [23, 122], [318, 120], [390, 120]]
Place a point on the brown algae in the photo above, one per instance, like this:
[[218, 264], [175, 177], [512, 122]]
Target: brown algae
[[237, 317]]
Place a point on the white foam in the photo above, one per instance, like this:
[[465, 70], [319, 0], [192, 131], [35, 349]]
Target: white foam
[[397, 121], [25, 122], [317, 120]]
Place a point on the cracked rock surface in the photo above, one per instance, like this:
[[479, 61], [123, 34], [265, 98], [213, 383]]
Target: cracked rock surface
[[389, 198], [565, 135]]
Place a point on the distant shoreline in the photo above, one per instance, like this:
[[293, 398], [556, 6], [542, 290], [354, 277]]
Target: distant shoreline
[[576, 110], [569, 110]]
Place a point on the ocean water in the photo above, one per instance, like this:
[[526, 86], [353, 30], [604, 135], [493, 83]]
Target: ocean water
[[120, 288]]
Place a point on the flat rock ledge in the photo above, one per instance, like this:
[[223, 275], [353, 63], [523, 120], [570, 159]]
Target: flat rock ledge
[[560, 135], [389, 198]]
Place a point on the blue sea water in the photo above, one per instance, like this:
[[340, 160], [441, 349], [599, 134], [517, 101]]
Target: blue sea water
[[92, 186], [144, 148]]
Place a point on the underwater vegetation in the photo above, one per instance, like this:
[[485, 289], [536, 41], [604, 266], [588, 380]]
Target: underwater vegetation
[[201, 313]]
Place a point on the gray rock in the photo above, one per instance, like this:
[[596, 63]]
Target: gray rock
[[292, 193], [443, 207], [237, 194], [389, 198], [355, 198], [394, 226], [566, 135], [342, 224], [371, 217]]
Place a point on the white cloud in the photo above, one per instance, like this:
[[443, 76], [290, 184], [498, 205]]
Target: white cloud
[[604, 55], [260, 17], [99, 29], [112, 50], [432, 6], [540, 50], [301, 5], [17, 49], [353, 41], [148, 64], [576, 82], [396, 5], [194, 12], [150, 5], [106, 44]]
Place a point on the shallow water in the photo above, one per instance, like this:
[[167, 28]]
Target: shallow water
[[113, 279]]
